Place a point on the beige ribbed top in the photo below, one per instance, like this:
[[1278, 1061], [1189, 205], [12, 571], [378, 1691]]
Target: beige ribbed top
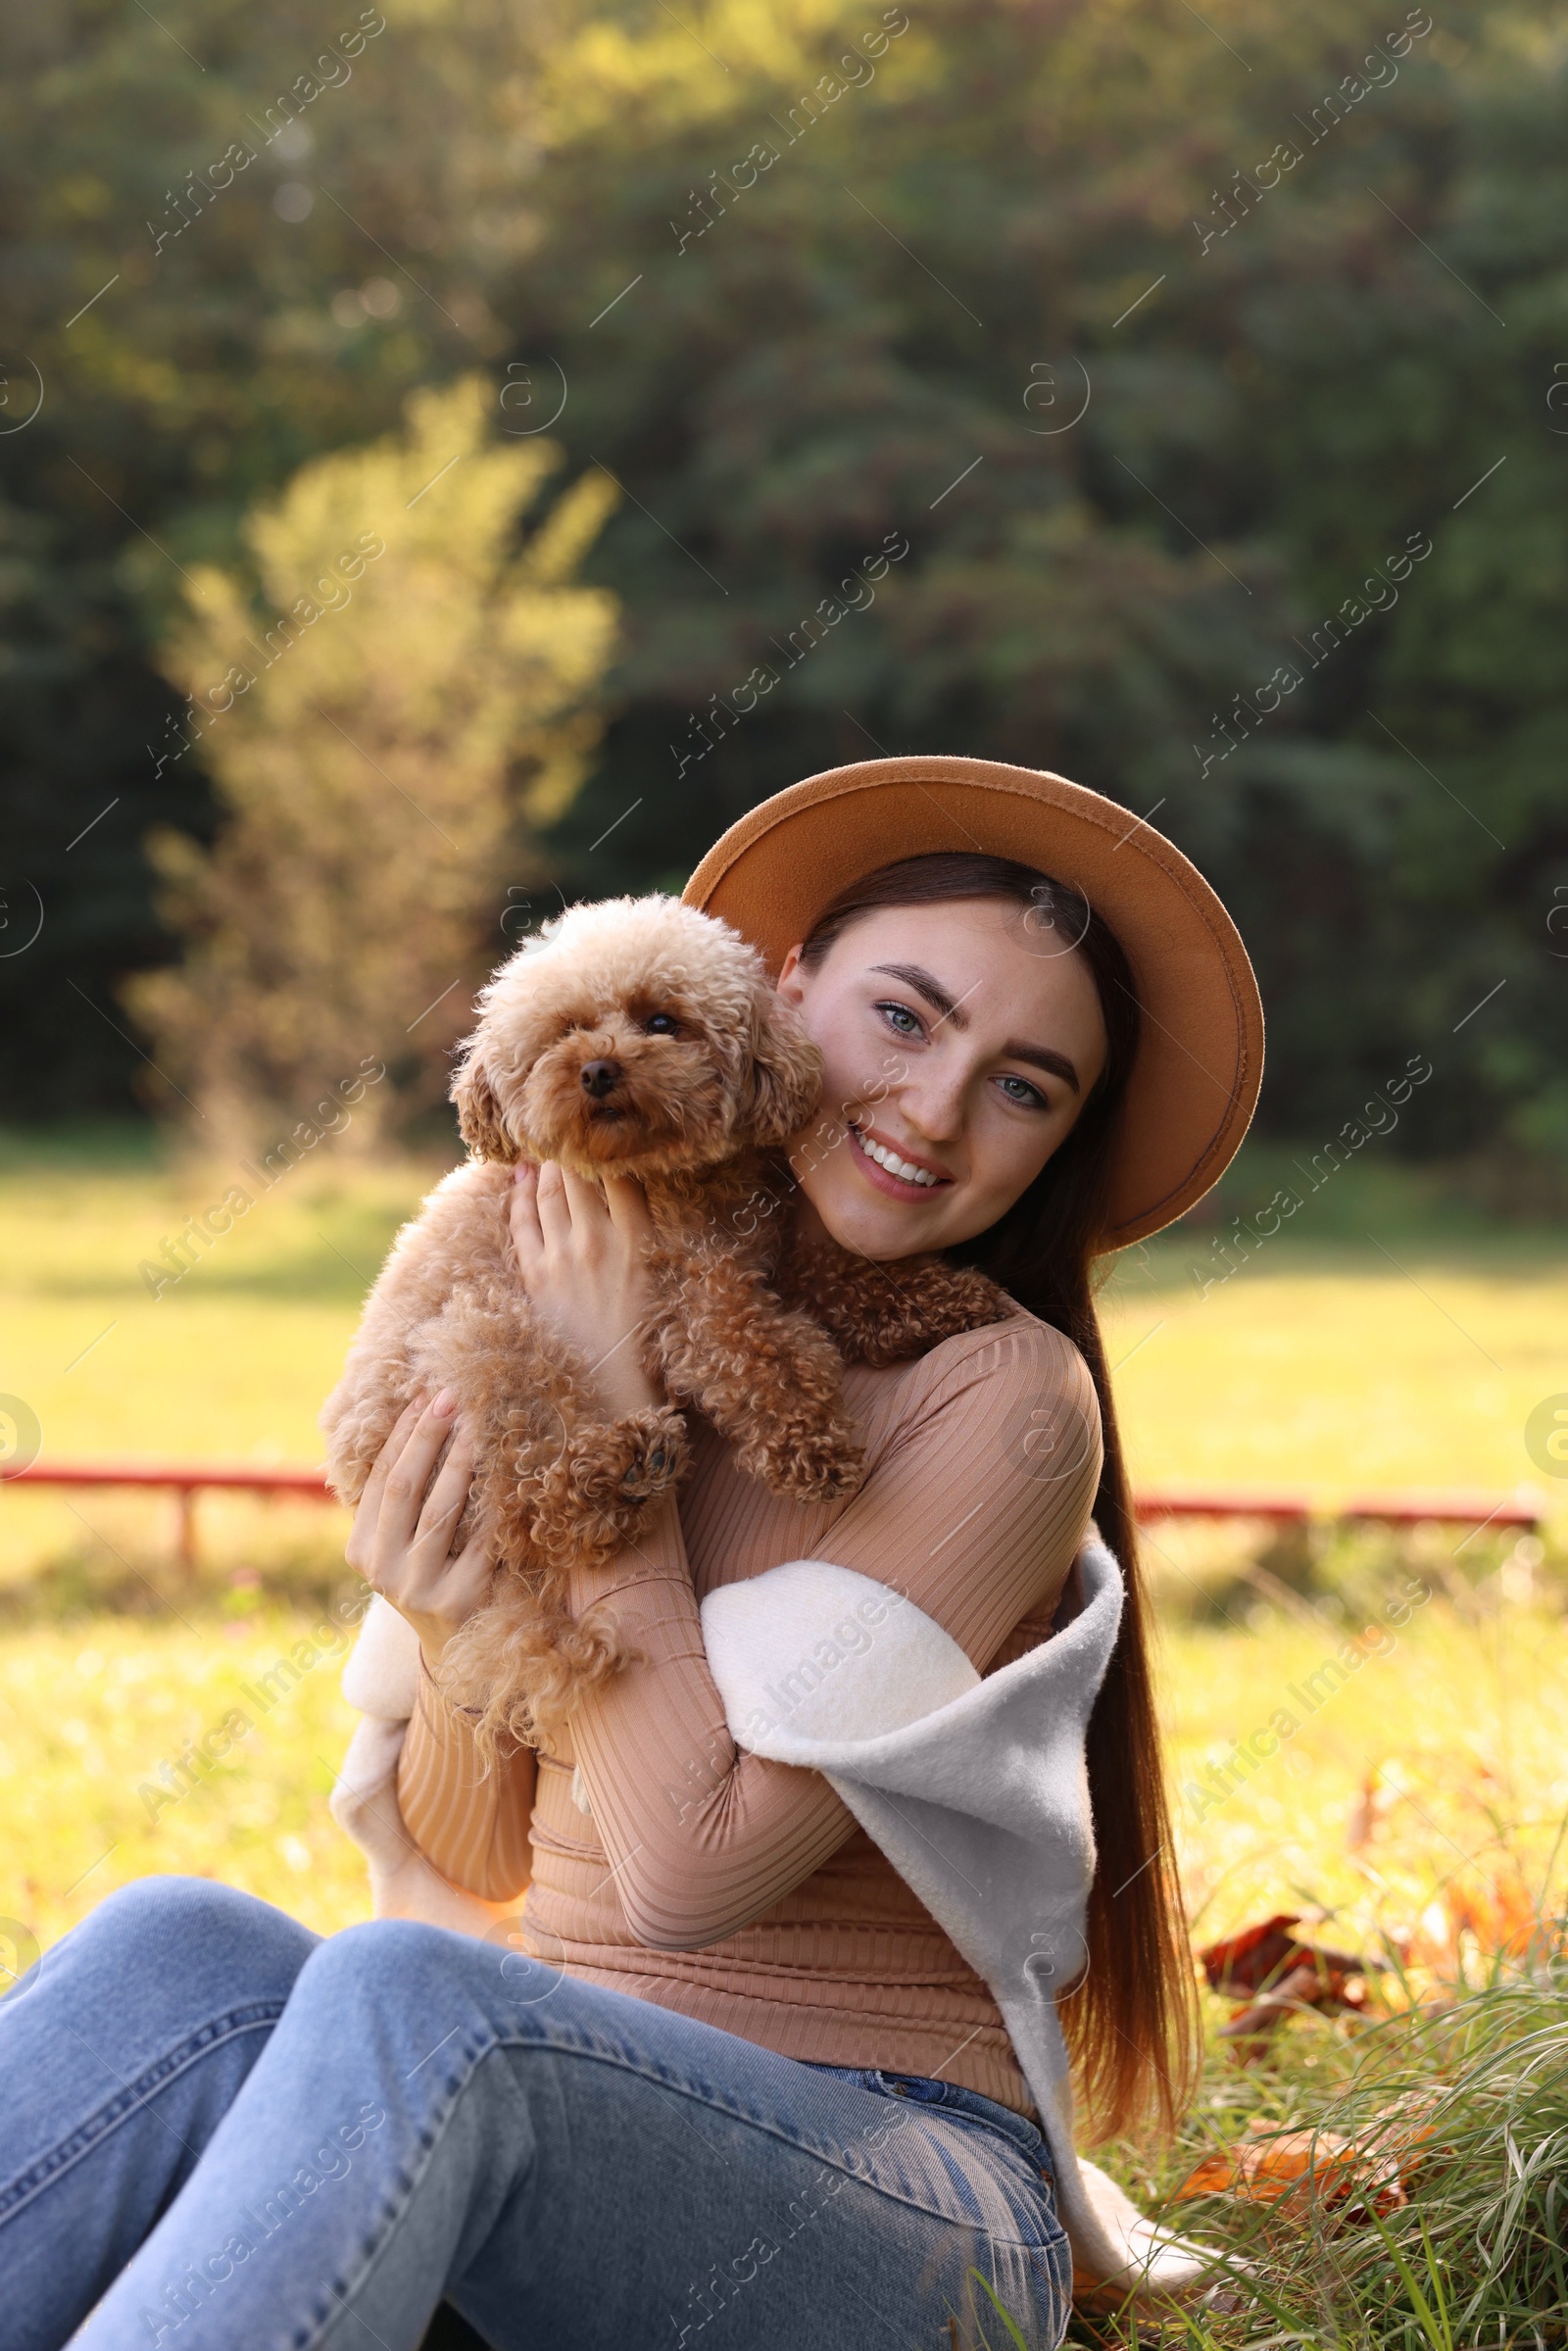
[[742, 1892]]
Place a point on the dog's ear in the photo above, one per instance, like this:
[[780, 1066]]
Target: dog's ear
[[785, 1080], [479, 1120]]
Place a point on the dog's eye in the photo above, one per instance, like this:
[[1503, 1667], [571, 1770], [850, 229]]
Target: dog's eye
[[661, 1024]]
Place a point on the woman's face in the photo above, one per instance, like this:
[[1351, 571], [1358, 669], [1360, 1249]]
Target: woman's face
[[960, 1042]]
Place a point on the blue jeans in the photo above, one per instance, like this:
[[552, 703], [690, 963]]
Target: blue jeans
[[222, 2134]]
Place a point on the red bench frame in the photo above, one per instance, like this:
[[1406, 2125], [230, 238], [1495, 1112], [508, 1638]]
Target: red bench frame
[[1285, 1507]]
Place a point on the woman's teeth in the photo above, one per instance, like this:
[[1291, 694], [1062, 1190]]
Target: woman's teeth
[[890, 1161]]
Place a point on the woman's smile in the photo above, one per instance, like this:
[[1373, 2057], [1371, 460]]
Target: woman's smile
[[900, 1173], [957, 1052]]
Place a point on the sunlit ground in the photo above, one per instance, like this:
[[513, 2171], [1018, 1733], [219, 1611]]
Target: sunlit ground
[[1405, 1796], [1322, 1362]]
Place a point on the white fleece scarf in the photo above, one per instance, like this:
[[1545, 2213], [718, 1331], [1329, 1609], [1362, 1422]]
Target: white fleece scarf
[[974, 1788], [977, 1792]]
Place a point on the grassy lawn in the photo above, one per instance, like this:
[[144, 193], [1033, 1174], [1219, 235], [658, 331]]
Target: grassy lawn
[[1379, 1339]]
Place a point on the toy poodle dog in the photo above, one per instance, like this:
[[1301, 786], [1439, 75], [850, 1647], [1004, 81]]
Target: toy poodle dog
[[640, 1038]]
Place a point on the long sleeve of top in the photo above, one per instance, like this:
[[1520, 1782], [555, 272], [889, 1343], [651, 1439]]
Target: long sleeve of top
[[739, 1890]]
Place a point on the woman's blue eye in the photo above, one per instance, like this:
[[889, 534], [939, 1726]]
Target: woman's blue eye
[[902, 1013], [1029, 1096]]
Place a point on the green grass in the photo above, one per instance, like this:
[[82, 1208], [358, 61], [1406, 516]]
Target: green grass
[[1451, 2236], [1431, 1769], [1415, 1808], [1382, 1337], [93, 1708], [1319, 1362]]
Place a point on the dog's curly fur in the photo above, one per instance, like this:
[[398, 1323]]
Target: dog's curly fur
[[885, 1313], [641, 1038]]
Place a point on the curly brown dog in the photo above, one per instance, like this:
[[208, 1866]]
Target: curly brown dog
[[641, 1037]]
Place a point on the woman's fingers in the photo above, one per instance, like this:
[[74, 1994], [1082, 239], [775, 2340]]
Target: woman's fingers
[[386, 1459], [466, 1585], [404, 1496], [585, 1204], [626, 1203], [588, 1277], [360, 1550], [562, 1205], [554, 1212], [523, 1216], [443, 1504]]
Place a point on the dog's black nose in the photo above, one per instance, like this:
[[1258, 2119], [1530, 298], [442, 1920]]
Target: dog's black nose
[[600, 1078]]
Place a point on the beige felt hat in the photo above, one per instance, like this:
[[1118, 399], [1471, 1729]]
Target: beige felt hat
[[1193, 1085]]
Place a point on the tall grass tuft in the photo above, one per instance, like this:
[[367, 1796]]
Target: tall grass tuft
[[1448, 2233]]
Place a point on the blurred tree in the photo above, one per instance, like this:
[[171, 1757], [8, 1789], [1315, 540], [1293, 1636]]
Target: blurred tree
[[1158, 335], [809, 274], [176, 304], [388, 703]]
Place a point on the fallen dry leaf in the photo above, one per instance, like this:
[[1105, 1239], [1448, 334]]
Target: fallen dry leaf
[[1245, 1961], [1283, 1975], [1251, 2027], [1256, 1958], [1497, 1914], [1298, 2169]]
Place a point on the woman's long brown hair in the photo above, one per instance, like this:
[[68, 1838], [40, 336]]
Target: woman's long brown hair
[[1131, 2027]]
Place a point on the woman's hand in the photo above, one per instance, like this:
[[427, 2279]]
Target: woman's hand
[[402, 1528], [582, 1256]]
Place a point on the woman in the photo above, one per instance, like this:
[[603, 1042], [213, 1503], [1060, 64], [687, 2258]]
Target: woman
[[740, 2087]]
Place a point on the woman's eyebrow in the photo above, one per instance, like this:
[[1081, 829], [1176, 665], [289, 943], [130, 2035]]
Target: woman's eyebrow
[[1044, 1056], [924, 983]]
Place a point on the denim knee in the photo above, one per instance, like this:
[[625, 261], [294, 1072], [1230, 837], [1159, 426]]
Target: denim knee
[[378, 1951], [156, 1925], [436, 1971]]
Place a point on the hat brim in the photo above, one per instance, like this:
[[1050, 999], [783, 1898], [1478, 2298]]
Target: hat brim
[[1194, 1086]]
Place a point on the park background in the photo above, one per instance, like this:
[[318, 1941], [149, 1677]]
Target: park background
[[455, 458]]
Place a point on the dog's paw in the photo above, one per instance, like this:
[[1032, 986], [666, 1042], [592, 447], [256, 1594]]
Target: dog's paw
[[602, 1482], [812, 1466], [610, 1463]]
